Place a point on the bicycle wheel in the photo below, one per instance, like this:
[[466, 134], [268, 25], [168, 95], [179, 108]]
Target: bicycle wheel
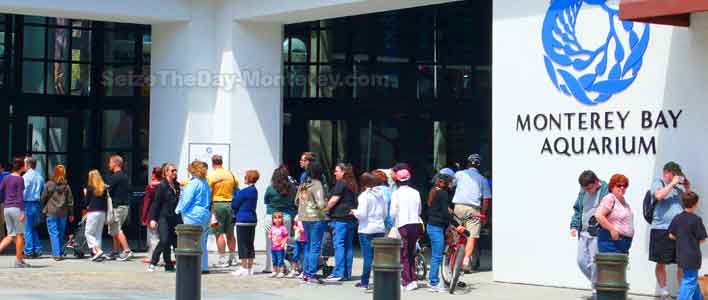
[[421, 267], [446, 266], [457, 269]]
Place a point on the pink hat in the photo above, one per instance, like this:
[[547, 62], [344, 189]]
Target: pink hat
[[403, 175]]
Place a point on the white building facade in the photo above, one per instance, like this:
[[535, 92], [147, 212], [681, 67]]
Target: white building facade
[[204, 54]]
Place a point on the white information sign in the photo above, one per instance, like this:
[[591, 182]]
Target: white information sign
[[204, 152]]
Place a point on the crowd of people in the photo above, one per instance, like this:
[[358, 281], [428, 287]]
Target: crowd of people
[[378, 203], [603, 222]]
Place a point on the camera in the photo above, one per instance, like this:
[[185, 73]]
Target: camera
[[682, 179]]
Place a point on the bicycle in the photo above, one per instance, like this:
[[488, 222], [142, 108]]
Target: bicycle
[[421, 266], [451, 267]]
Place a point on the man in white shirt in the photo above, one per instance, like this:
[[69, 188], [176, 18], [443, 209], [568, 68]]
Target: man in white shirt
[[472, 196]]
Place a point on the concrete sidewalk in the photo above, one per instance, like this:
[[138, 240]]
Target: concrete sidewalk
[[74, 279]]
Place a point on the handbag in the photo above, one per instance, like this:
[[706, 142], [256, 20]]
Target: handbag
[[111, 213], [594, 225]]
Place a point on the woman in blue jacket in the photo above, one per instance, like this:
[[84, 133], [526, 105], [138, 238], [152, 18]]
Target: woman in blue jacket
[[194, 207], [244, 207]]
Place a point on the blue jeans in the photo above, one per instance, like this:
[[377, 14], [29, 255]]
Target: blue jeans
[[367, 253], [689, 286], [343, 239], [314, 231], [32, 243], [437, 247], [605, 244], [205, 235], [298, 251], [278, 257], [56, 227]]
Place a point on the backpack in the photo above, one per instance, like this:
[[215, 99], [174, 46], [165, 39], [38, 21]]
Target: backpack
[[649, 204]]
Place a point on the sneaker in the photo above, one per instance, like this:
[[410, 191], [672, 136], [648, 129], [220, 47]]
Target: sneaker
[[436, 289], [250, 272], [232, 260], [206, 272], [412, 286], [280, 275], [21, 265], [97, 255], [273, 275], [361, 285], [126, 255], [301, 276], [241, 272], [292, 274], [151, 268], [315, 281], [333, 279], [170, 269], [222, 262]]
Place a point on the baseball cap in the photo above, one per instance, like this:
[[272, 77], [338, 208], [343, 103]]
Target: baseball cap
[[674, 168], [403, 175], [448, 171], [474, 158]]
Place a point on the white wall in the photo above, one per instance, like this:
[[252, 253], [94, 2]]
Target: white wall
[[129, 11], [245, 115], [534, 192]]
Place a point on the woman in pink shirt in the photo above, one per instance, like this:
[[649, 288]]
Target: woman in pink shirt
[[616, 218]]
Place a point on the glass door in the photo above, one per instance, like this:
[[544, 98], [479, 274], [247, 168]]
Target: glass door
[[47, 142]]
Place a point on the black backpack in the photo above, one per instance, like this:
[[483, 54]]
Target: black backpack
[[648, 205]]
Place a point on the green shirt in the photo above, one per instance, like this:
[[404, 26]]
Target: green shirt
[[276, 202]]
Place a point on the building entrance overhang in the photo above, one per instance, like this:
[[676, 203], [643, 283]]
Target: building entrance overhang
[[666, 12]]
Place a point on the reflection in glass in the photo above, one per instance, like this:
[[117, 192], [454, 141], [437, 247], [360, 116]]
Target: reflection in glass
[[301, 81], [81, 45], [35, 20], [58, 134], [333, 47], [334, 81], [58, 44], [33, 77], [119, 46], [361, 82], [119, 80], [147, 48], [57, 74], [457, 82], [80, 79], [426, 81], [34, 42], [390, 46], [313, 46], [117, 129], [37, 133]]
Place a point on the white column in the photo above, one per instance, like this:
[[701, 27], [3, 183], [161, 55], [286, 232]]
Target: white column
[[243, 109]]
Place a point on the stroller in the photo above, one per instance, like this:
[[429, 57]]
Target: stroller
[[76, 242], [326, 253]]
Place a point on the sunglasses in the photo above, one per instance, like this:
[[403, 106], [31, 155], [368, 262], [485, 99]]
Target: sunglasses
[[621, 186]]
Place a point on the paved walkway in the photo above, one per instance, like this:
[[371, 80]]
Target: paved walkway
[[74, 279]]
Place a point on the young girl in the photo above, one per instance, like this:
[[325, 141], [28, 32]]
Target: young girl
[[278, 235], [298, 247]]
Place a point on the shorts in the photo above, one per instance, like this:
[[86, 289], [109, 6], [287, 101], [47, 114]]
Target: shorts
[[114, 228], [662, 249], [225, 216], [278, 257], [473, 225], [12, 221]]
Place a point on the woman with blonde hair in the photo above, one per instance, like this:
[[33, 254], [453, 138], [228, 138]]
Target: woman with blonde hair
[[96, 197], [57, 204], [194, 203]]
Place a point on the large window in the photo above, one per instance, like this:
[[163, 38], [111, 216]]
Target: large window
[[56, 56], [127, 58], [434, 53], [6, 39]]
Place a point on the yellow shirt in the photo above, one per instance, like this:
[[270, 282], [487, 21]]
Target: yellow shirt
[[222, 184]]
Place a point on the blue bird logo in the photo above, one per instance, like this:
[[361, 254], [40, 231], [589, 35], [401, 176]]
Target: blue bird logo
[[583, 73]]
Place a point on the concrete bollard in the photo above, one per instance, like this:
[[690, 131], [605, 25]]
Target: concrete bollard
[[189, 262], [387, 269], [611, 276]]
